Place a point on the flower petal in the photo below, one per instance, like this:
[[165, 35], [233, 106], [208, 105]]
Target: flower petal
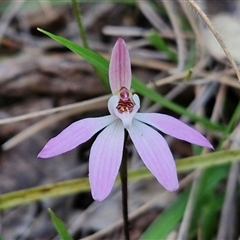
[[105, 159], [155, 153], [74, 135], [120, 74], [174, 128]]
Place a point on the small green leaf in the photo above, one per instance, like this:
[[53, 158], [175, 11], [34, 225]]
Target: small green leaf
[[60, 226]]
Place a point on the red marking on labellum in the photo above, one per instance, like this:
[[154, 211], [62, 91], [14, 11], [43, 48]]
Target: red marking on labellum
[[125, 103]]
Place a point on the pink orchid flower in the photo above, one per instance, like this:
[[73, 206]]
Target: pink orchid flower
[[107, 150]]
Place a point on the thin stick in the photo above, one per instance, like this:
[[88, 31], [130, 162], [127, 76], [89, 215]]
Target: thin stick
[[181, 44], [199, 39], [187, 217], [217, 36], [227, 213], [8, 14], [89, 105]]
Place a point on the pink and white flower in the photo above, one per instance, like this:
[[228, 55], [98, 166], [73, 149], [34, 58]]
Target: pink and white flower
[[107, 150]]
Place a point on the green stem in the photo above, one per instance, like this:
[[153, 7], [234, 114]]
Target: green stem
[[83, 35], [124, 184], [78, 15]]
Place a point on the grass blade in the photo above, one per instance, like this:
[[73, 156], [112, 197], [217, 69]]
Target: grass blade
[[21, 197], [60, 226], [102, 65]]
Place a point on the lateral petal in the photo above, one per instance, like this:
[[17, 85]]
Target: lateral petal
[[105, 159], [120, 74], [74, 135], [155, 153], [174, 128]]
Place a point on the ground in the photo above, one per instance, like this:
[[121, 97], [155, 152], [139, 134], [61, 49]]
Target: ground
[[172, 52]]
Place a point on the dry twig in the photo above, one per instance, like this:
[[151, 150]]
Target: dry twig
[[217, 36]]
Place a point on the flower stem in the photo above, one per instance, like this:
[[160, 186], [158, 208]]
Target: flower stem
[[78, 15], [124, 184]]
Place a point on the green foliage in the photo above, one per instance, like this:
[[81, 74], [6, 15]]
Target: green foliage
[[158, 42], [60, 226], [231, 125], [207, 223], [208, 202], [206, 208], [215, 166], [168, 219]]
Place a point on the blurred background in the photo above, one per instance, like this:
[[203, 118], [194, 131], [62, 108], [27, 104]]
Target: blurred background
[[173, 51]]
